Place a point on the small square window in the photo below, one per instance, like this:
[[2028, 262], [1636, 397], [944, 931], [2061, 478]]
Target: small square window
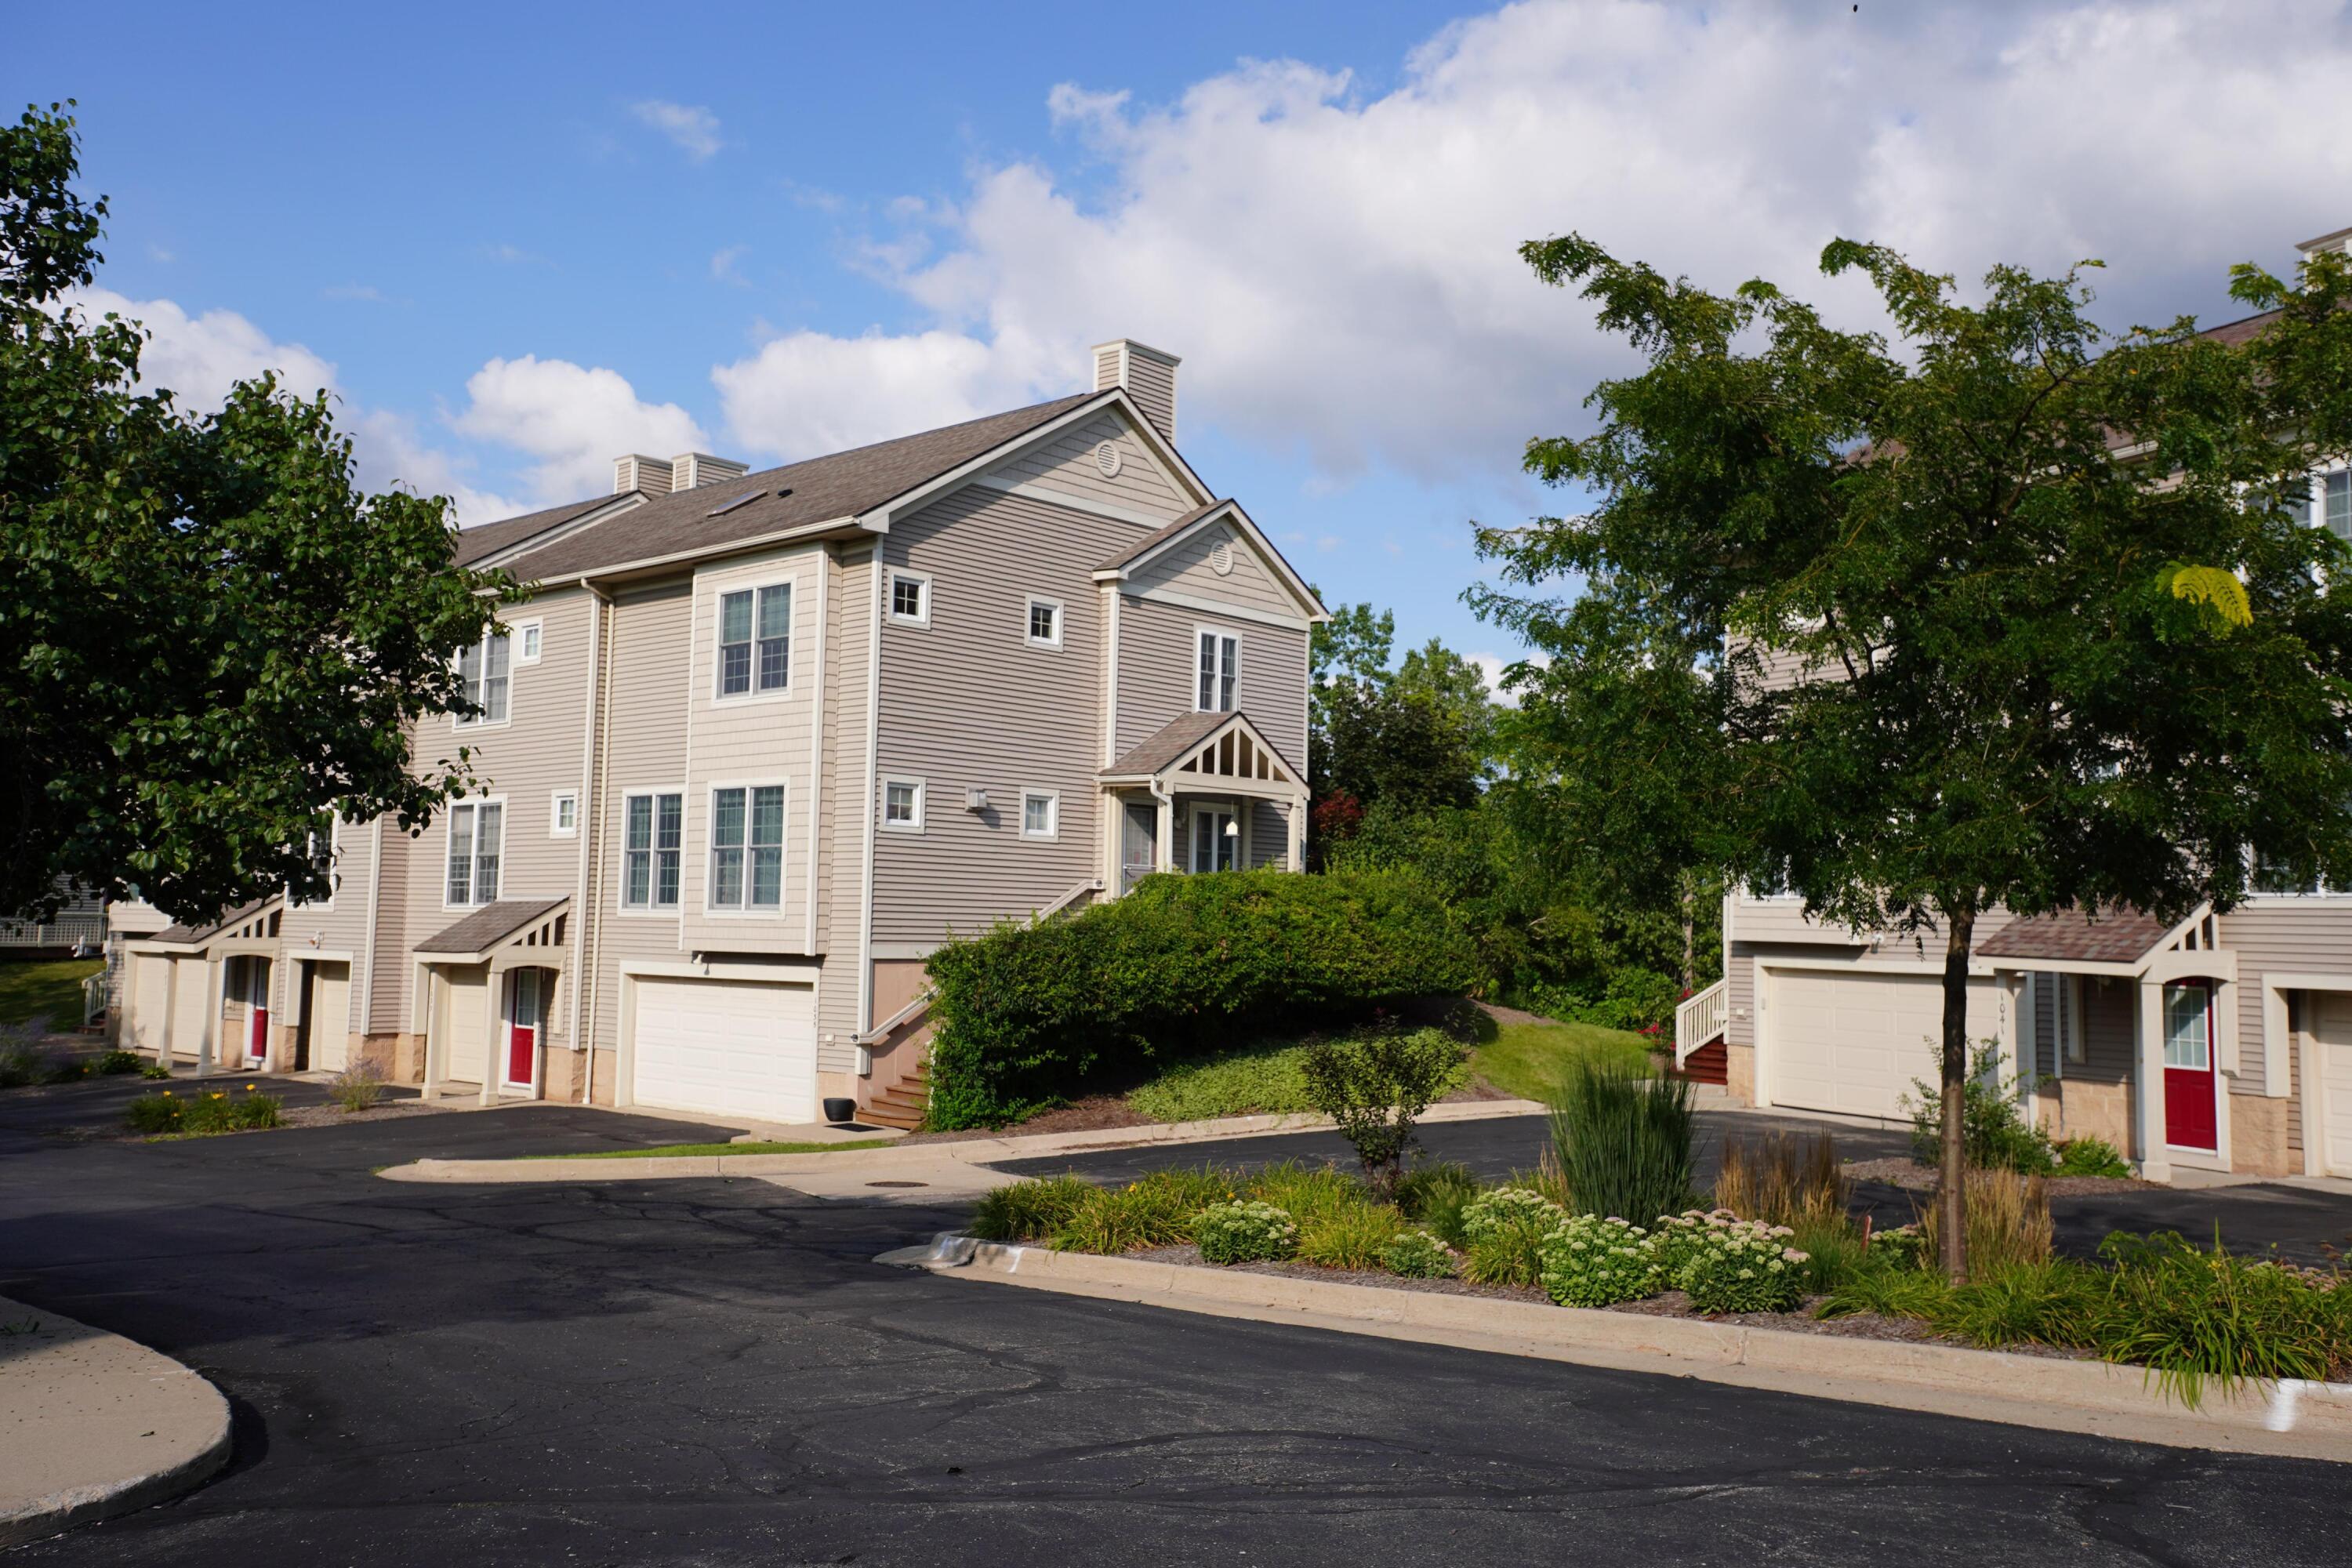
[[1044, 624], [911, 598], [564, 814], [902, 802], [1041, 814]]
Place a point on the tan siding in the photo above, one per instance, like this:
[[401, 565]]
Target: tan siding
[[651, 645], [849, 628], [1185, 569], [1153, 386], [390, 975], [1269, 830], [340, 925], [2312, 936], [1157, 658], [1770, 929], [2107, 1032], [1068, 463], [967, 702]]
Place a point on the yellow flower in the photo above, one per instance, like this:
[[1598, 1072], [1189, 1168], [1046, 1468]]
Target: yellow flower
[[249, 1089]]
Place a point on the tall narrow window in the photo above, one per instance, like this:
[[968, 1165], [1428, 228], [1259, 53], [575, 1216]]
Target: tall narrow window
[[476, 829], [727, 848], [461, 887], [755, 630], [2337, 489], [775, 638], [653, 828], [746, 848], [489, 837], [484, 678], [768, 846], [734, 643], [1220, 668], [318, 848]]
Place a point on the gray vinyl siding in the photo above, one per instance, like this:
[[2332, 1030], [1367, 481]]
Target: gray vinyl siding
[[2310, 935], [748, 740], [339, 925], [849, 630], [648, 702], [967, 703], [1153, 386], [1068, 463], [1158, 658], [1269, 828], [1764, 929], [2045, 1025], [2107, 1033], [1185, 569]]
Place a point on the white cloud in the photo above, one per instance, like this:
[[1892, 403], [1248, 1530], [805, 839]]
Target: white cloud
[[199, 358], [360, 293], [572, 420], [1340, 270], [724, 267], [1491, 666], [694, 129]]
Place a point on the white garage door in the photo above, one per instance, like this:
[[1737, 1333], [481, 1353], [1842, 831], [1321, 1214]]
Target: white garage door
[[726, 1047], [151, 1002], [468, 1019], [2331, 1041], [1854, 1043]]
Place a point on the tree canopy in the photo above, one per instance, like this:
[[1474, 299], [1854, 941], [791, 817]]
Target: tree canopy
[[211, 637], [2010, 613]]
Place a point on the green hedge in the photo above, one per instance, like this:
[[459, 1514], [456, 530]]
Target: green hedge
[[1026, 1015]]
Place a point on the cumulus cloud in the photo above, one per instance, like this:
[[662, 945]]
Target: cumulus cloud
[[692, 128], [1339, 268], [572, 420]]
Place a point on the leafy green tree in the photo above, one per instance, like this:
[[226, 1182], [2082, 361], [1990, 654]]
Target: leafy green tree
[[1978, 551], [210, 636], [1415, 738]]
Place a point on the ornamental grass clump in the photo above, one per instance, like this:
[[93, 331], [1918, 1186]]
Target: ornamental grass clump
[[1501, 1233], [2008, 1221], [1351, 1237], [1032, 1210], [1417, 1254], [1245, 1231], [1590, 1261], [1744, 1266], [1782, 1178], [1621, 1140], [1435, 1195], [1156, 1211], [357, 1088]]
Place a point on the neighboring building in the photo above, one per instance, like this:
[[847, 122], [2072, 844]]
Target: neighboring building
[[2219, 1043], [759, 742]]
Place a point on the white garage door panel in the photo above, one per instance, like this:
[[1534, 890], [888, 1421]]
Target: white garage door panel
[[151, 1002], [726, 1047], [192, 988], [1854, 1042], [468, 1002], [2331, 1039]]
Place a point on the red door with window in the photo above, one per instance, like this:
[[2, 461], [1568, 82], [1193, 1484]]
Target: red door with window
[[257, 1032], [2191, 1115], [522, 1029]]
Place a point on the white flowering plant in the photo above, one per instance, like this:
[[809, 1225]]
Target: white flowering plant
[[1417, 1254], [1680, 1237], [1744, 1267], [1491, 1214], [1905, 1245], [1244, 1232], [1591, 1261]]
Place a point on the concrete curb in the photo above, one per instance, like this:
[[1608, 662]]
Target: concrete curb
[[2306, 1420], [969, 1151], [94, 1426]]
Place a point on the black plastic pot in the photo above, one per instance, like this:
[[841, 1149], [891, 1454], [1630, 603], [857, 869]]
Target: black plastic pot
[[840, 1110]]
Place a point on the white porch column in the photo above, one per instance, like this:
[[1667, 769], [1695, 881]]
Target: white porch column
[[1298, 832], [493, 1064], [215, 978], [1164, 855], [2147, 1081], [435, 1034]]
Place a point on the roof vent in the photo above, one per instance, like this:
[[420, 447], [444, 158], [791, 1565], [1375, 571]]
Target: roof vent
[[692, 470], [1148, 373], [638, 472]]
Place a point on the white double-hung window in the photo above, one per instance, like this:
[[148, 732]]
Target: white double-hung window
[[476, 829], [746, 848], [1220, 670], [653, 831], [485, 675], [755, 632]]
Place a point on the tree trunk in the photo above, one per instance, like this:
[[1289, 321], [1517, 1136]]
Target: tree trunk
[[1951, 1195]]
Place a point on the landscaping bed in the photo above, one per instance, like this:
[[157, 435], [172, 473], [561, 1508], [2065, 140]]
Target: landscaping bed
[[1914, 1176]]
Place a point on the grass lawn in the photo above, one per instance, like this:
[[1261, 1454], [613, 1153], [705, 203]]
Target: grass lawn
[[50, 985], [1527, 1060], [674, 1150]]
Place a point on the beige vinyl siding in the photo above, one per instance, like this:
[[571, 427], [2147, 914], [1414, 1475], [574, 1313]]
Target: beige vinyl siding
[[391, 973], [1068, 463], [841, 870], [648, 702], [2312, 935], [1152, 384], [968, 704], [1769, 929], [1269, 831], [2045, 1025], [1185, 569], [1158, 656], [340, 924], [748, 739]]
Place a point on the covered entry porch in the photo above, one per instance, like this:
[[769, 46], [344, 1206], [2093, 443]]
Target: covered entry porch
[[1208, 792], [486, 990], [208, 994]]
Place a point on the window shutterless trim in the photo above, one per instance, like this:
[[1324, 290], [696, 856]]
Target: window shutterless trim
[[471, 807], [1053, 828], [1029, 621], [555, 802], [895, 575], [652, 850], [765, 652], [481, 650], [1217, 689], [529, 640], [882, 805], [751, 851]]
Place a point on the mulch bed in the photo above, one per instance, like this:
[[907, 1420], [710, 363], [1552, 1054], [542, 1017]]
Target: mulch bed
[[1093, 1113], [1670, 1304], [1913, 1176]]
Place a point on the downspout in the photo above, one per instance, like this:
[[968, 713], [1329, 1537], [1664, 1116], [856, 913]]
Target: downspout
[[872, 770], [593, 763], [816, 748]]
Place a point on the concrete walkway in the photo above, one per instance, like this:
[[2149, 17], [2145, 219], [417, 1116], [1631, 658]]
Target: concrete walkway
[[92, 1425]]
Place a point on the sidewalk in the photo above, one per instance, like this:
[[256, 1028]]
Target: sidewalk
[[92, 1425], [949, 1167]]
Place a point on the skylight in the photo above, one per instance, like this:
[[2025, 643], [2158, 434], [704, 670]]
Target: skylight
[[725, 507]]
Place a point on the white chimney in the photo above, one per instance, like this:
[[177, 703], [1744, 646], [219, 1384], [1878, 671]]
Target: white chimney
[[692, 470], [1148, 373], [637, 472], [2340, 240]]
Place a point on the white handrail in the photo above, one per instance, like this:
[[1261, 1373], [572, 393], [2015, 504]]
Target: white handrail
[[1700, 1017]]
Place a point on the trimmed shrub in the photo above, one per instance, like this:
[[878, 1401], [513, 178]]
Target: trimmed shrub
[[1375, 1083], [1244, 1232], [1026, 1015], [1417, 1254], [1745, 1267], [1354, 1238], [1621, 1140], [114, 1064], [2089, 1156], [1994, 1132], [1594, 1262], [1031, 1210]]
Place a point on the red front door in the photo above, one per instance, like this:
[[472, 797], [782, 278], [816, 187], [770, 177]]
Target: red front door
[[2191, 1119], [256, 1034], [522, 1029]]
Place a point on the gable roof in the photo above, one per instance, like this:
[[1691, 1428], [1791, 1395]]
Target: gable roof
[[835, 488], [488, 926], [489, 538], [1171, 743], [182, 934], [1152, 546], [1174, 746], [2114, 936]]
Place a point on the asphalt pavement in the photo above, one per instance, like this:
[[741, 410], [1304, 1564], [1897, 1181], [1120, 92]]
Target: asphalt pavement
[[715, 1373]]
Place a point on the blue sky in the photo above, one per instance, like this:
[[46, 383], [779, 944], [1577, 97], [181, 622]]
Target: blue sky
[[517, 243]]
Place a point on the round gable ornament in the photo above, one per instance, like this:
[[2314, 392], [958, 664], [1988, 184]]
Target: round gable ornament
[[1221, 559], [1106, 458]]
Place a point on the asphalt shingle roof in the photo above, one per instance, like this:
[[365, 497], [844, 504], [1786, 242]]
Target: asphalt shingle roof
[[2115, 936], [488, 926], [473, 543], [1168, 744], [189, 935]]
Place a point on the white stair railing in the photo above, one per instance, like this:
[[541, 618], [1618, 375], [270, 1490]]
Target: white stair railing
[[1699, 1018]]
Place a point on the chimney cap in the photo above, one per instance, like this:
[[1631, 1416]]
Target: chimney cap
[[692, 470], [1133, 347], [635, 471], [2335, 241]]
